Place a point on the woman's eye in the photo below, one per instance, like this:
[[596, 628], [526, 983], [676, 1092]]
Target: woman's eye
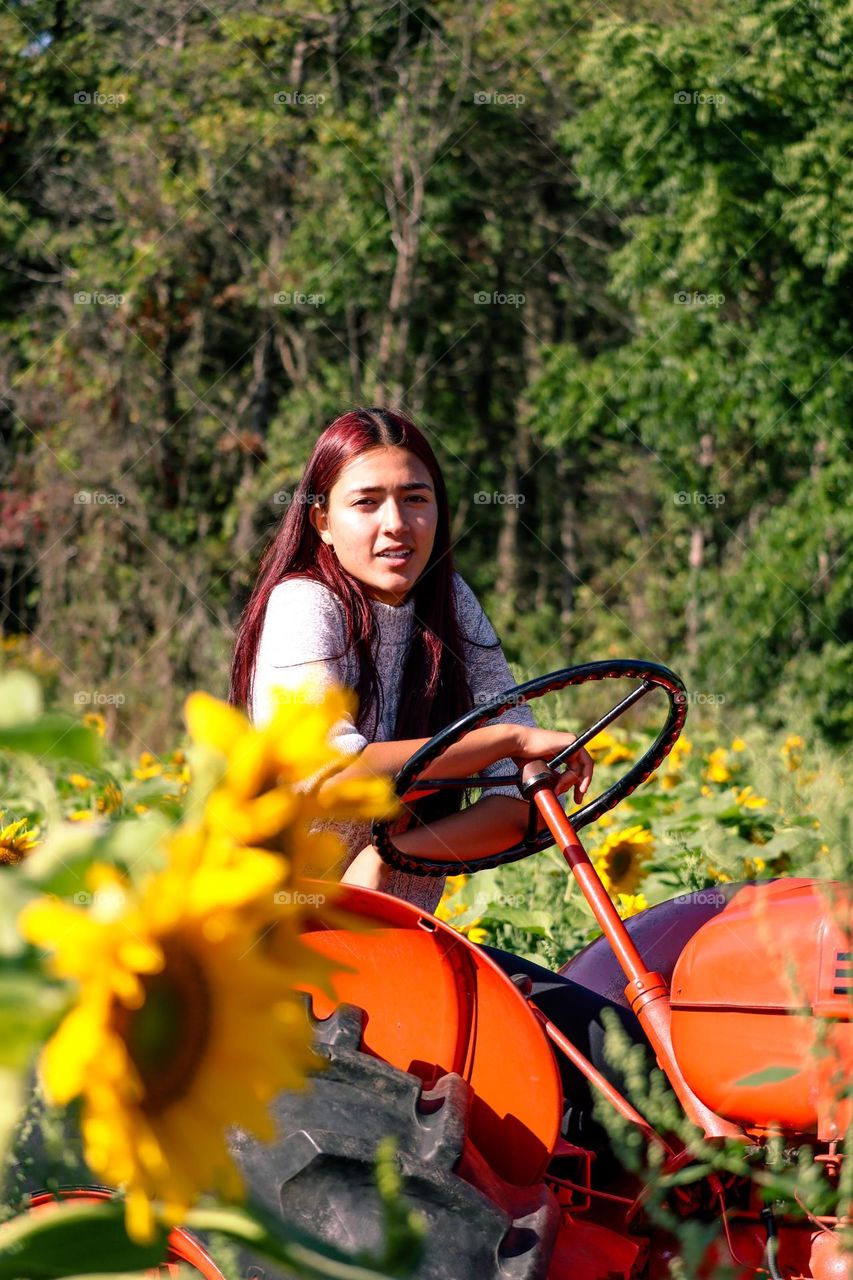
[[415, 497]]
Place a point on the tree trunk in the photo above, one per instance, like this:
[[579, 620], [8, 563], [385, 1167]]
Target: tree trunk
[[568, 519], [696, 558]]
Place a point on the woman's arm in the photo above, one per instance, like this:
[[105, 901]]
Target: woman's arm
[[476, 750], [492, 824]]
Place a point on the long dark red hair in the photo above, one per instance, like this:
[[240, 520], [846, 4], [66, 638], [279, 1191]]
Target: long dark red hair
[[434, 688]]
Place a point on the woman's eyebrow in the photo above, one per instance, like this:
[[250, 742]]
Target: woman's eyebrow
[[377, 488]]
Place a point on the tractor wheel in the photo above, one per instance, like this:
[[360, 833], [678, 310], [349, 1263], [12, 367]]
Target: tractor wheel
[[319, 1173]]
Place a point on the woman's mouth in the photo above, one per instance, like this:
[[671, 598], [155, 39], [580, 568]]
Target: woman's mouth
[[395, 557]]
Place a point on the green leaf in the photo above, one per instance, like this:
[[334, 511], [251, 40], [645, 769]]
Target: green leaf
[[536, 922], [71, 1239], [55, 735], [770, 1075], [785, 840], [20, 698], [16, 894], [137, 842], [647, 806], [263, 1232], [59, 864], [29, 1007], [74, 1239]]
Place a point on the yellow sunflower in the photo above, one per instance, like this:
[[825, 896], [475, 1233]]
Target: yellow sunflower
[[718, 876], [718, 770], [449, 910], [449, 907], [16, 841], [621, 856], [747, 798], [673, 766], [630, 904], [94, 720], [185, 1023], [110, 800], [279, 779], [148, 767], [606, 749]]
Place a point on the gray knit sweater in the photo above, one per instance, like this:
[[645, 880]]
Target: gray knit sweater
[[302, 634]]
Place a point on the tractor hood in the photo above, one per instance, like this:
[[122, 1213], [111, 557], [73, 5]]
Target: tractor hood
[[762, 1008]]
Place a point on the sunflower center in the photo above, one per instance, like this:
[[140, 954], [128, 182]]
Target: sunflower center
[[168, 1034], [623, 863]]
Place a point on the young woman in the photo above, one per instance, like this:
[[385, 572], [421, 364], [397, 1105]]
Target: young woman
[[358, 587]]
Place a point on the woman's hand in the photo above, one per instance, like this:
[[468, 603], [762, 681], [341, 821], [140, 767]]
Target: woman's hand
[[542, 744]]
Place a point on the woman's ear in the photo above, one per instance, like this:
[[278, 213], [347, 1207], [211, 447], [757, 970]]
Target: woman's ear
[[319, 517]]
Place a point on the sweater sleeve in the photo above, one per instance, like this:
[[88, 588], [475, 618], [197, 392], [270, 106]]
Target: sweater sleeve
[[303, 638]]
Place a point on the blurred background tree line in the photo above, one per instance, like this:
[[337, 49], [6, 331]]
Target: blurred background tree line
[[600, 252]]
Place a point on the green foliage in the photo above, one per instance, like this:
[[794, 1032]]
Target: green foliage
[[289, 213], [723, 145]]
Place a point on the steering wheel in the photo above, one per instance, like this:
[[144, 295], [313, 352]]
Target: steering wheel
[[650, 674]]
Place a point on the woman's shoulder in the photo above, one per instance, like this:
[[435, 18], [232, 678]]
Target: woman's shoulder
[[304, 617], [303, 592]]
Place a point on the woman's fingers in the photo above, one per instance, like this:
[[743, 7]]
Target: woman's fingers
[[577, 774], [542, 744], [586, 767]]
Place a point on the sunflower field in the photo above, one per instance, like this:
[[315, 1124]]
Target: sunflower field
[[714, 812]]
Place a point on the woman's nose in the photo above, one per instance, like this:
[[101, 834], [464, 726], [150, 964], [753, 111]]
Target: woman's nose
[[394, 515]]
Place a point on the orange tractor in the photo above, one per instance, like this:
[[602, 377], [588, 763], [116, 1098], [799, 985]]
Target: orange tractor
[[743, 996], [485, 1069]]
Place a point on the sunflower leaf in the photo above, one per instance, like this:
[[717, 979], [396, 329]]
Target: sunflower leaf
[[74, 1238], [56, 735], [535, 922]]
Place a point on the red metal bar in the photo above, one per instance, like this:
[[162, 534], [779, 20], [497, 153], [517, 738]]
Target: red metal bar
[[646, 991], [613, 1096]]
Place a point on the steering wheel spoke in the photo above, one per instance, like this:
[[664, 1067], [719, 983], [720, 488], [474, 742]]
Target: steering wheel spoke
[[651, 676], [609, 716]]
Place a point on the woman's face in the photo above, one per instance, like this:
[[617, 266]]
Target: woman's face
[[382, 501]]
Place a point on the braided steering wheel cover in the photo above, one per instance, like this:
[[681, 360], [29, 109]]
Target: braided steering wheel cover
[[651, 673]]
